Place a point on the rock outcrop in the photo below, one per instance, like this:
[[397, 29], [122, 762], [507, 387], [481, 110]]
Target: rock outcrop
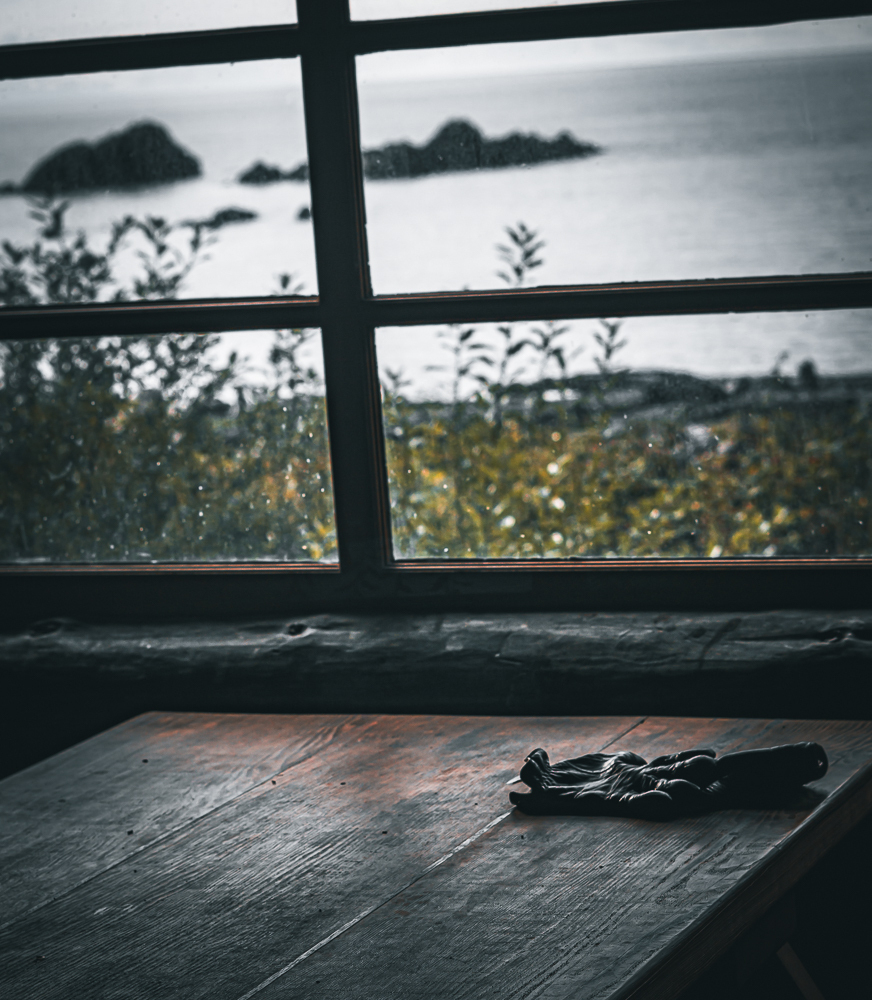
[[264, 173], [141, 155], [261, 173], [458, 145], [225, 217]]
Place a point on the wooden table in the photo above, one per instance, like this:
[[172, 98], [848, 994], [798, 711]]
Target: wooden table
[[234, 856]]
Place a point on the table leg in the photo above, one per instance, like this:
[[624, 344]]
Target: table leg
[[798, 972]]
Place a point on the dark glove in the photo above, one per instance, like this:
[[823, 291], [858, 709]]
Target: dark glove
[[693, 781]]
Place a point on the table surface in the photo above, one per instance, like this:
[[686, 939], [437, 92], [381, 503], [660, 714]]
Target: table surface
[[233, 856]]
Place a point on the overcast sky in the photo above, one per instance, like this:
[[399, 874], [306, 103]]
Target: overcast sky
[[48, 20]]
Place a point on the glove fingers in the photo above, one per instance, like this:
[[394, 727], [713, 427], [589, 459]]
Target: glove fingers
[[535, 771]]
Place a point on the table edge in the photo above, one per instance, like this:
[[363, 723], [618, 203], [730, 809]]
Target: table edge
[[711, 935]]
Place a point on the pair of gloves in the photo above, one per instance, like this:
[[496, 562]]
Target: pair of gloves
[[678, 784]]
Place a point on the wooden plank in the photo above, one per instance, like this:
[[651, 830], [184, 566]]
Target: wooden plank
[[575, 907], [69, 818], [223, 902]]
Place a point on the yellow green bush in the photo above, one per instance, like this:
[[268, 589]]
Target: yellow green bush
[[787, 482], [147, 449]]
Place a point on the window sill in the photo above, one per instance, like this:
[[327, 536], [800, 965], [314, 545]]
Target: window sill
[[65, 681]]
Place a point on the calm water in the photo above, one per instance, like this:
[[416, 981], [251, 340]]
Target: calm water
[[731, 168], [728, 168]]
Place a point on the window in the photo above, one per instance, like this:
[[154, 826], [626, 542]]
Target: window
[[626, 489]]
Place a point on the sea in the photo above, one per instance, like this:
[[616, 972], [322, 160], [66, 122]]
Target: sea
[[716, 168]]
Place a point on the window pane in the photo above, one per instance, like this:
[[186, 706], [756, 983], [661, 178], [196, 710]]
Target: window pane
[[146, 166], [165, 449], [51, 20], [678, 437], [682, 155], [373, 10]]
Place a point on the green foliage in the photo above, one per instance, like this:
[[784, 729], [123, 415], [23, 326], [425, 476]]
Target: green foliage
[[520, 256], [147, 448], [782, 483], [504, 472]]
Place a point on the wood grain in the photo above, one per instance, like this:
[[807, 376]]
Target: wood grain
[[347, 838], [71, 817], [571, 907], [225, 900]]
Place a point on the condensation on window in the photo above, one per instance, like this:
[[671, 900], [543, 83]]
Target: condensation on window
[[181, 448], [658, 437]]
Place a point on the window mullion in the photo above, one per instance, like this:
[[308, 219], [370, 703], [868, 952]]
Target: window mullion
[[590, 20], [336, 178], [776, 293], [126, 52]]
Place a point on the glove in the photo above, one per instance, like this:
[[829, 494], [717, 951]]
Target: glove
[[693, 781]]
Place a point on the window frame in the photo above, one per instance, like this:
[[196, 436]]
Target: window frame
[[367, 576]]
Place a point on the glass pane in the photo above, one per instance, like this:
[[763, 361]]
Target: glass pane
[[373, 10], [51, 20], [683, 155], [131, 185], [165, 449], [674, 437]]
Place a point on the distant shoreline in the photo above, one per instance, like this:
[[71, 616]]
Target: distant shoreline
[[648, 394]]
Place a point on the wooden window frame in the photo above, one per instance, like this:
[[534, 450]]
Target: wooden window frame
[[347, 313]]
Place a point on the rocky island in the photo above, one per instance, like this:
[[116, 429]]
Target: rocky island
[[142, 154], [457, 145]]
